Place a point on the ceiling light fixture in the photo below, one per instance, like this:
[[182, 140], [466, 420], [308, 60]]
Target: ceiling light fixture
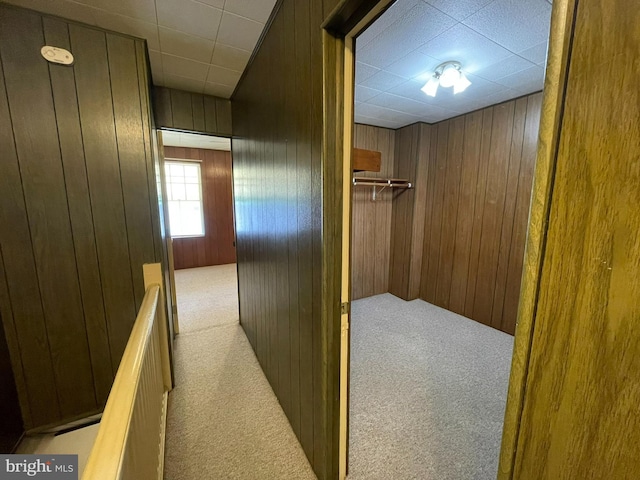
[[447, 74]]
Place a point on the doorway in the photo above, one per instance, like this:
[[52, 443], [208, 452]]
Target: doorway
[[412, 285], [198, 187]]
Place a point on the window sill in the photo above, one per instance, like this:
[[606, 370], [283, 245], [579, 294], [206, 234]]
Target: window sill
[[186, 236]]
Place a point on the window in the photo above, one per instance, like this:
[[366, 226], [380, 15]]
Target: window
[[184, 196]]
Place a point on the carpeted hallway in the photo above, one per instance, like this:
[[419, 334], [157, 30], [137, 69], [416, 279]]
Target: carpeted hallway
[[223, 420], [428, 392]]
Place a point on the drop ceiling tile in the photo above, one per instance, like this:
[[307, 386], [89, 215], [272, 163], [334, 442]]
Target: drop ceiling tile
[[515, 24], [223, 76], [364, 71], [140, 9], [536, 54], [258, 11], [155, 59], [526, 81], [488, 101], [62, 8], [460, 9], [363, 94], [393, 13], [130, 26], [402, 104], [413, 29], [508, 66], [239, 32], [218, 90], [413, 65], [214, 3], [369, 110], [180, 44], [466, 46], [230, 57], [188, 16], [382, 81], [183, 83], [183, 67], [444, 98]]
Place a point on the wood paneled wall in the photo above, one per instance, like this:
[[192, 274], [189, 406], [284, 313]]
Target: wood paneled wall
[[189, 111], [278, 165], [217, 246], [407, 222], [78, 210], [479, 184], [371, 220], [580, 417]]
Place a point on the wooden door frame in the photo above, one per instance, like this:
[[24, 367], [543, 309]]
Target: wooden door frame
[[345, 22]]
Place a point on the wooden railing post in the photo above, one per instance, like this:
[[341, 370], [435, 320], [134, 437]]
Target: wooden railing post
[[152, 273]]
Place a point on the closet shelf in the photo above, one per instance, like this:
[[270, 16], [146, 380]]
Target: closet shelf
[[381, 182]]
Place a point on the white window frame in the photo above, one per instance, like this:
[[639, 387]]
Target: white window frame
[[182, 162]]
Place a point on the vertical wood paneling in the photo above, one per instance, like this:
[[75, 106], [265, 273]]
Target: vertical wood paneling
[[101, 155], [216, 246], [278, 171], [132, 157], [72, 152], [32, 113], [580, 414], [478, 194], [371, 220], [408, 215], [191, 111], [75, 210]]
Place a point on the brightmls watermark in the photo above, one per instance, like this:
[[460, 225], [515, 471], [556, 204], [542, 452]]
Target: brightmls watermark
[[51, 467]]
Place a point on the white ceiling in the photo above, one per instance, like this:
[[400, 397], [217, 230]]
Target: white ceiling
[[199, 46], [193, 140], [502, 45]]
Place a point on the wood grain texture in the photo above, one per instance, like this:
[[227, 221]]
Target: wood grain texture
[[412, 147], [216, 247], [371, 220], [562, 23], [580, 417], [180, 110], [367, 160], [278, 175], [75, 214], [477, 201]]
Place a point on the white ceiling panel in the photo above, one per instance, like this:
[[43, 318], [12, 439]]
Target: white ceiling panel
[[382, 81], [364, 71], [501, 44], [362, 94], [414, 28], [536, 54], [239, 32], [514, 24], [508, 66], [181, 44], [218, 90], [230, 57], [184, 67], [182, 35], [459, 9], [466, 46], [193, 140], [190, 84], [140, 9], [223, 76], [190, 17]]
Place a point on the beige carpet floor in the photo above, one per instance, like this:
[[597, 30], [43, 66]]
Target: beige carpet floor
[[223, 420]]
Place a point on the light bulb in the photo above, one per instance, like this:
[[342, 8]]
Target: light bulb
[[462, 84], [449, 76], [431, 87]]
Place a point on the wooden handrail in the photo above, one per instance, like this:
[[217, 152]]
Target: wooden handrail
[[130, 441]]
